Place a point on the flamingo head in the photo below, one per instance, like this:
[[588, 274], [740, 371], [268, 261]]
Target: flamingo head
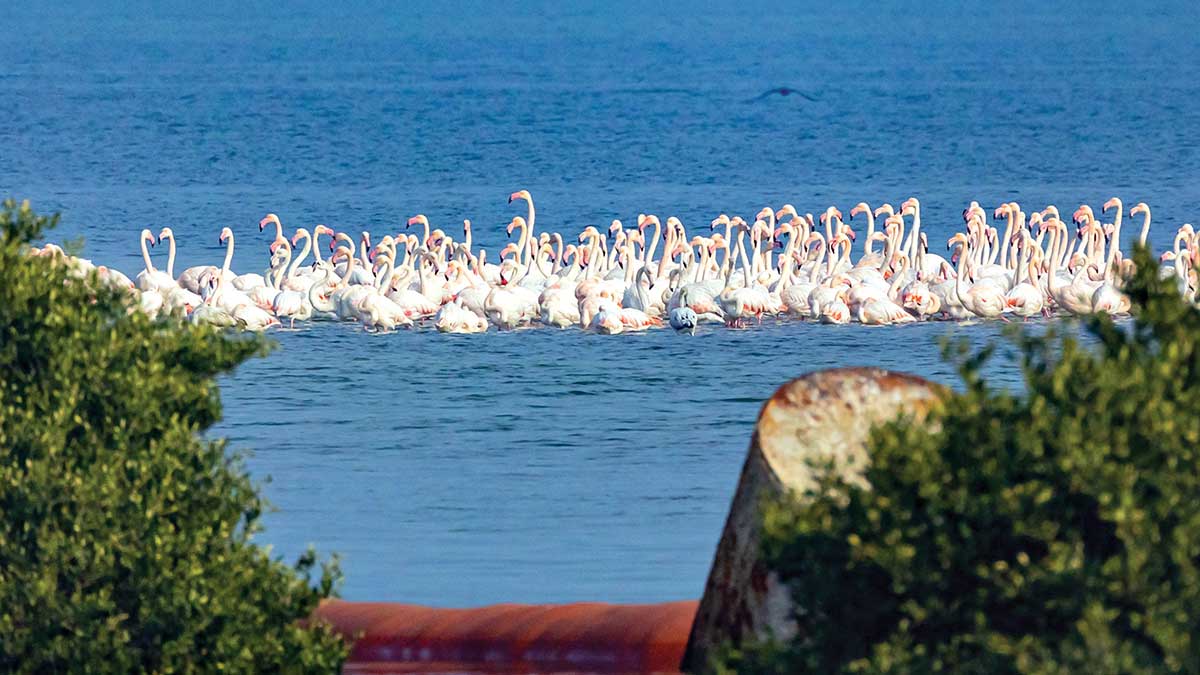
[[418, 219], [1141, 207], [226, 233], [520, 194], [279, 241], [269, 218], [645, 220], [765, 213], [1114, 203], [518, 221], [959, 239], [860, 207], [910, 206], [166, 233], [885, 208], [615, 227], [1002, 211], [719, 220], [830, 212], [786, 210]]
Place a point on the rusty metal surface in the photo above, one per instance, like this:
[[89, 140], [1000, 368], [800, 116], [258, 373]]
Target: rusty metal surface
[[821, 416], [582, 637]]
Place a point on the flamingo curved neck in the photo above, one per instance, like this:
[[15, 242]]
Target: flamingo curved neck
[[146, 252], [228, 257], [171, 254]]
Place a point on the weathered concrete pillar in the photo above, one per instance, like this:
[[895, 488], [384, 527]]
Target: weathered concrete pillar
[[827, 415]]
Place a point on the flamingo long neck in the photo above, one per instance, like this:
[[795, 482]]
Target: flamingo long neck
[[869, 245], [770, 239], [146, 252], [212, 299], [1145, 228], [540, 263], [467, 234], [1114, 246], [383, 281], [282, 271], [1096, 254], [316, 246], [668, 253], [345, 280], [1018, 273], [961, 272], [352, 251], [171, 254], [628, 255], [422, 282], [756, 256], [889, 249], [314, 296], [654, 244], [914, 236], [532, 215], [613, 254], [745, 264], [820, 256], [523, 243], [1008, 230], [228, 256], [700, 269], [366, 246], [303, 254], [897, 279], [1053, 270], [1117, 221]]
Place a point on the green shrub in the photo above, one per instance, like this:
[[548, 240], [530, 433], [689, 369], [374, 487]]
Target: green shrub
[[1054, 530], [125, 539]]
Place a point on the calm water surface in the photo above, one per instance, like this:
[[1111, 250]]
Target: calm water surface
[[555, 466]]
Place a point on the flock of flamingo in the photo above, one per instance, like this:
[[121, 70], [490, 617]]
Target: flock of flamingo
[[615, 281]]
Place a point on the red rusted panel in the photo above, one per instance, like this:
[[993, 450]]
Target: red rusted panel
[[582, 637]]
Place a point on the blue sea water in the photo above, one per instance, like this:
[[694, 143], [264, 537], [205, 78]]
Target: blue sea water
[[546, 465]]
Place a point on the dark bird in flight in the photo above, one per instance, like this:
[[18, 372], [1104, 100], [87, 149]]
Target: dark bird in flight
[[783, 91]]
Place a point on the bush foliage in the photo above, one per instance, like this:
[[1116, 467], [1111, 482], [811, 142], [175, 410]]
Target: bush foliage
[[1054, 530], [125, 539]]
